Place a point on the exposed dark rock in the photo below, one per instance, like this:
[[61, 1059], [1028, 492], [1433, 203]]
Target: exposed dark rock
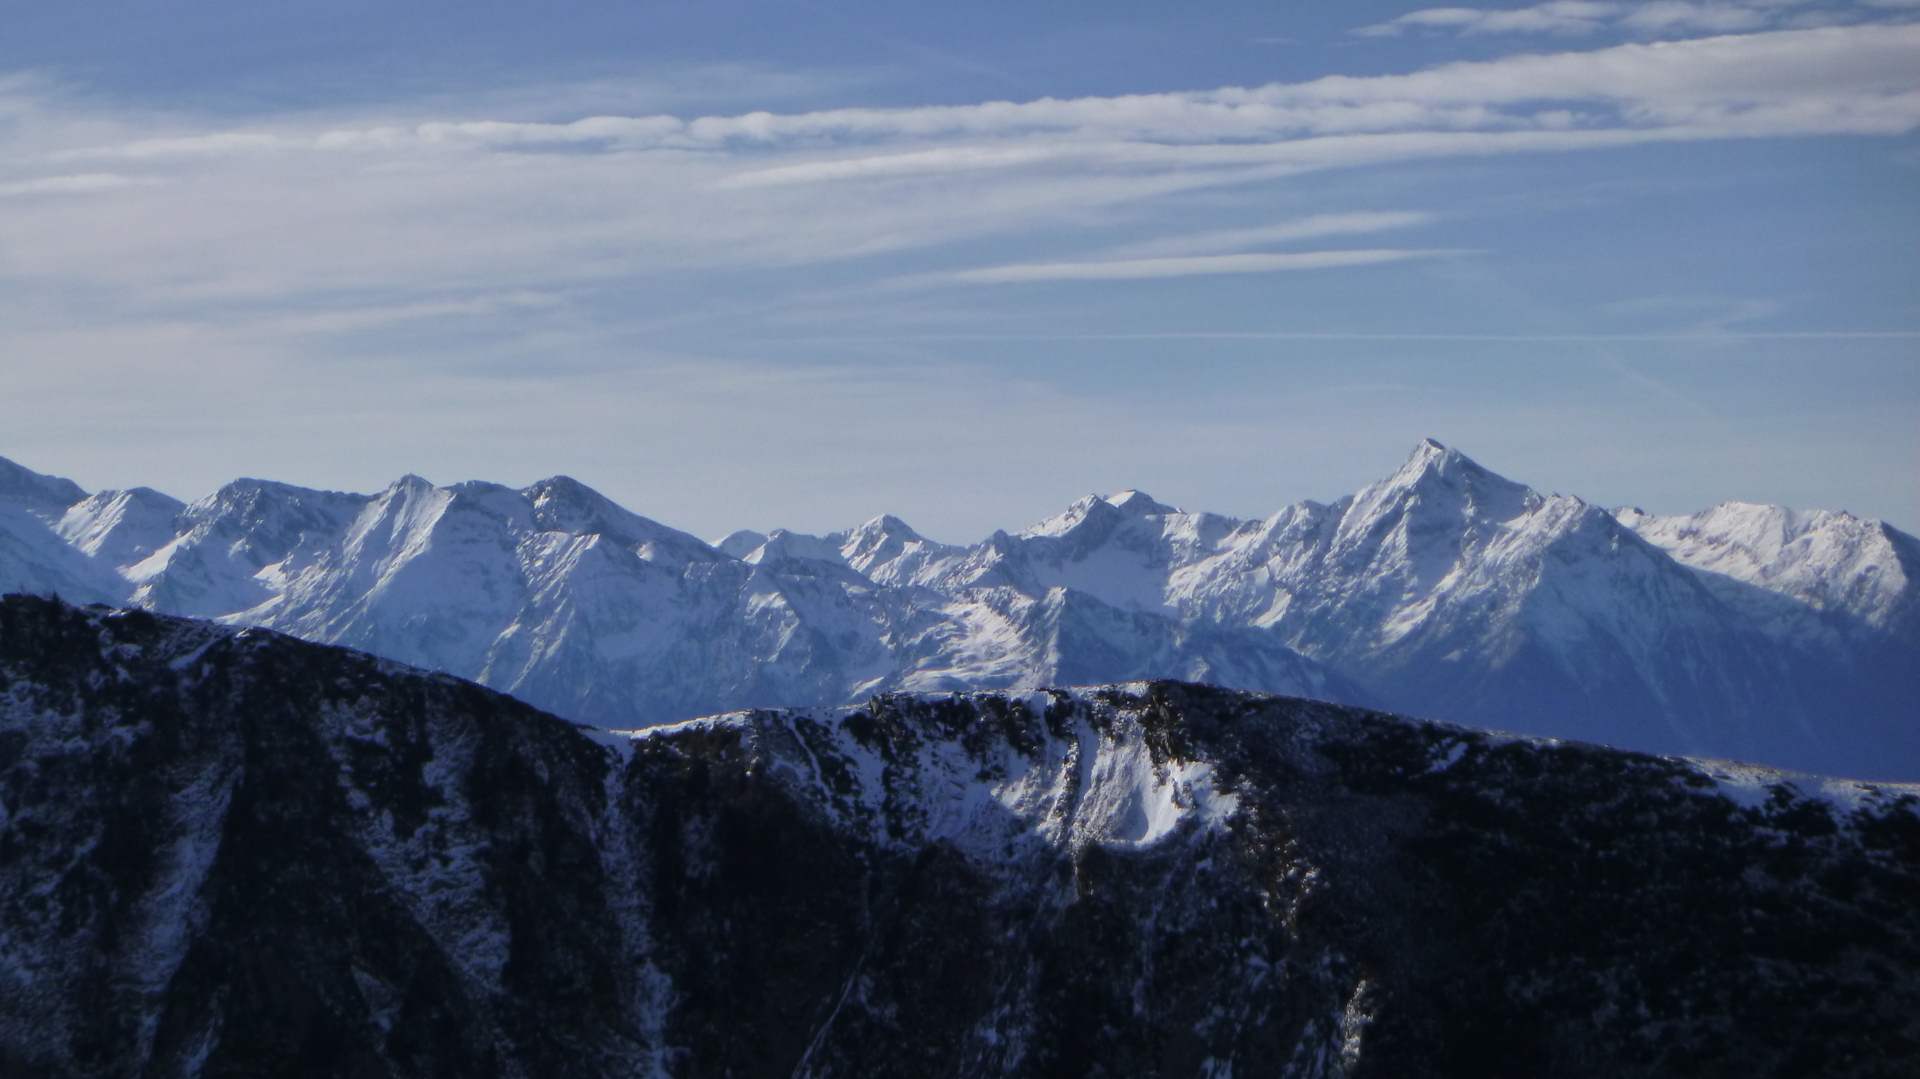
[[232, 853]]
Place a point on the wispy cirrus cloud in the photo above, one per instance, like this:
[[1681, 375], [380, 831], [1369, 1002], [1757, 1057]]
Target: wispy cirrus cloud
[[1216, 251], [1628, 85], [1557, 17], [183, 210], [1643, 17], [1186, 266], [1314, 227], [70, 184]]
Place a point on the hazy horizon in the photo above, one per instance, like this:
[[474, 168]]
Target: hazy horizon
[[755, 265], [716, 534]]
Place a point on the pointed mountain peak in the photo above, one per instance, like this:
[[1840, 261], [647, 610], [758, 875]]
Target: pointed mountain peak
[[1432, 456], [1431, 463], [877, 539], [1137, 503], [1094, 516], [895, 526], [1082, 509], [1437, 480], [884, 527]]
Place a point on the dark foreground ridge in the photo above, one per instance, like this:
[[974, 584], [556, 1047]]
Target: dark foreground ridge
[[232, 853]]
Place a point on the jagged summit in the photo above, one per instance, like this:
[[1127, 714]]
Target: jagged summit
[[888, 552], [1443, 589], [782, 544], [1100, 512], [1830, 564], [248, 490]]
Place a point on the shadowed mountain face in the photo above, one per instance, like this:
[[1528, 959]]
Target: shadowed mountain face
[[1443, 590], [229, 852]]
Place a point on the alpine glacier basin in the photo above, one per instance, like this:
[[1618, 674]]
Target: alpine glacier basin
[[223, 851]]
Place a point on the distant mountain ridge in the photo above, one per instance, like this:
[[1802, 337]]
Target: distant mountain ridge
[[1443, 590]]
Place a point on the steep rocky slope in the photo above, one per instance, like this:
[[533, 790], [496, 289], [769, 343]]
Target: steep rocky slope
[[228, 852]]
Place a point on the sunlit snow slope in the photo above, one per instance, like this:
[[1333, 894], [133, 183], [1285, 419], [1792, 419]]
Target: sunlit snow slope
[[1443, 590]]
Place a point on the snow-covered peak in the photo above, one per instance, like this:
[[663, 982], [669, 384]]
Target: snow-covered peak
[[884, 528], [265, 518], [411, 483], [1442, 588], [35, 559], [1764, 533], [740, 543], [121, 527], [395, 525], [1826, 560], [564, 504], [888, 551], [782, 545], [1138, 504], [1431, 450], [1631, 516], [44, 496], [1432, 467], [1099, 514], [248, 498], [877, 539], [1438, 490], [564, 492], [1084, 508]]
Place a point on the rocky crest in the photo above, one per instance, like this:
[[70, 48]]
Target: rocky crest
[[227, 852]]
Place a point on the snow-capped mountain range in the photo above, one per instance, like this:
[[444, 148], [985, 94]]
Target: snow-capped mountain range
[[1443, 590]]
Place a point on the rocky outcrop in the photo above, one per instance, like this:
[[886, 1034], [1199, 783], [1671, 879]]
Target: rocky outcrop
[[228, 852]]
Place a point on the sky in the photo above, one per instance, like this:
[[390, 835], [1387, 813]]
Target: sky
[[791, 264]]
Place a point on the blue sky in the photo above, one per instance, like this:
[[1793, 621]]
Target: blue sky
[[749, 264]]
